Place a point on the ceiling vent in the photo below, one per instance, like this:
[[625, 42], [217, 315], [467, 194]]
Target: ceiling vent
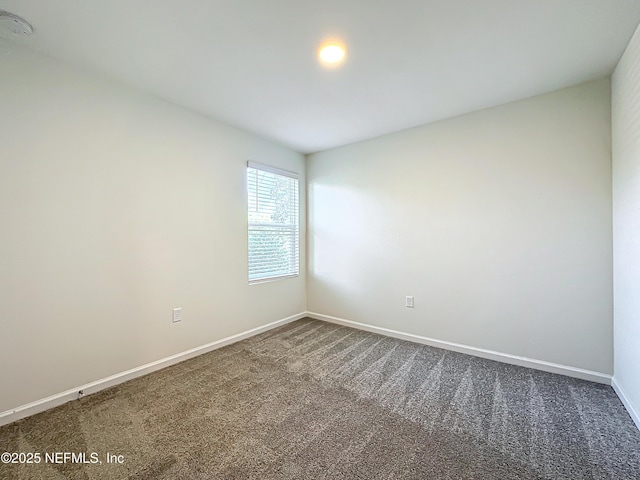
[[13, 24]]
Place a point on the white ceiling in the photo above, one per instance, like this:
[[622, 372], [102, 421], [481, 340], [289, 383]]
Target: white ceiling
[[252, 63]]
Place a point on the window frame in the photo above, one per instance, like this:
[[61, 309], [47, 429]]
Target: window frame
[[295, 229]]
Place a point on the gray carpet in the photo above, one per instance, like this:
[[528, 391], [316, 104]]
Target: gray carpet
[[315, 400]]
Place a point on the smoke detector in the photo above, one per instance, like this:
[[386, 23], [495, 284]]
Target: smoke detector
[[10, 23]]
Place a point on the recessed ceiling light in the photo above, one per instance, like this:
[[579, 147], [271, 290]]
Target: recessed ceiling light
[[10, 23], [332, 53]]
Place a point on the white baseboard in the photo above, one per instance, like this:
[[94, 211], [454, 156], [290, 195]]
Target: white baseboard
[[477, 352], [38, 406], [633, 413]]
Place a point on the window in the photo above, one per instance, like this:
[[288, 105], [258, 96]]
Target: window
[[273, 223]]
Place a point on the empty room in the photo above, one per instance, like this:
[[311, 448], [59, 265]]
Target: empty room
[[245, 239]]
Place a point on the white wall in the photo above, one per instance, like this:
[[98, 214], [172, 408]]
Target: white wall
[[498, 222], [116, 207], [626, 224]]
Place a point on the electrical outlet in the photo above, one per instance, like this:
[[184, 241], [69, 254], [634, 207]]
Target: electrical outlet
[[409, 302], [177, 314]]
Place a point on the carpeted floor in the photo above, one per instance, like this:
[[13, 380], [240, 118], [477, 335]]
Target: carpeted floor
[[312, 400]]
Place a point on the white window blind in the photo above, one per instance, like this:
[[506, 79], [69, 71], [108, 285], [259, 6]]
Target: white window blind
[[274, 250]]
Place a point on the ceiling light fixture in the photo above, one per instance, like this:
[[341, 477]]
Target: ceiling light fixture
[[10, 23], [332, 53]]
